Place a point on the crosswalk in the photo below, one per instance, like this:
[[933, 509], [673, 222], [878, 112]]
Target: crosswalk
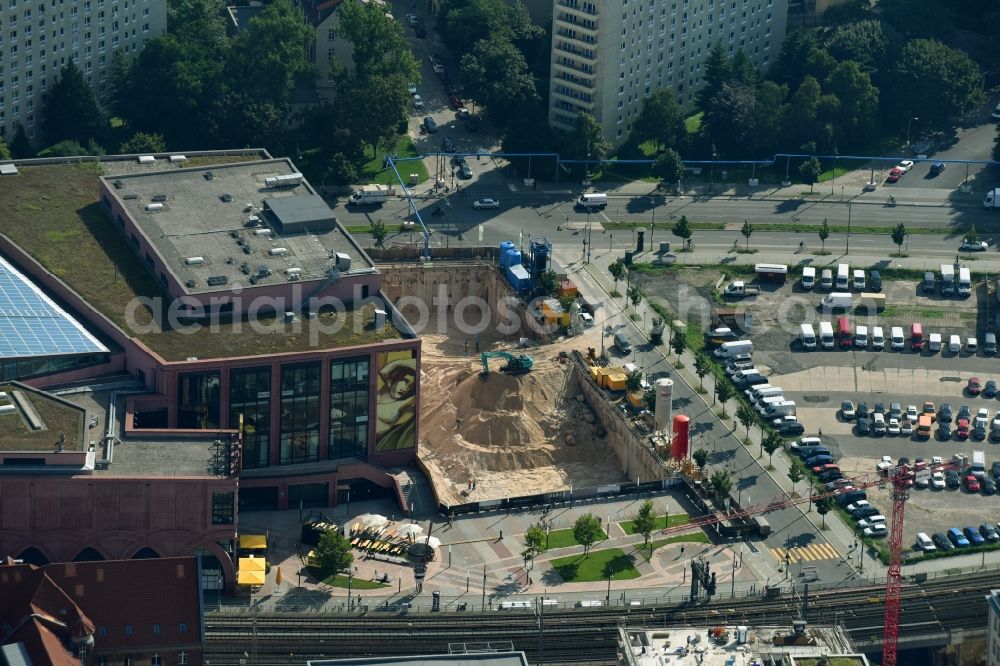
[[810, 553]]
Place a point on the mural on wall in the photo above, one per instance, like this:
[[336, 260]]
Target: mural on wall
[[396, 401]]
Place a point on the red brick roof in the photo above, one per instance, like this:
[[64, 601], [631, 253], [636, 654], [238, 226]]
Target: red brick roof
[[146, 594]]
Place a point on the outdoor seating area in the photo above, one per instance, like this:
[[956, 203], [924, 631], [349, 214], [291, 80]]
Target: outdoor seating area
[[375, 535]]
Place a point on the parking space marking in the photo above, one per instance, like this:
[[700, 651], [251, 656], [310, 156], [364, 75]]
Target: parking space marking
[[810, 553]]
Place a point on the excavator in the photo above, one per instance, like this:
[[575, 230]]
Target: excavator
[[516, 365]]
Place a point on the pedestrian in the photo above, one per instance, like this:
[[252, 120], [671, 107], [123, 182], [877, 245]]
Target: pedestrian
[[500, 538], [530, 582], [473, 484], [820, 432]]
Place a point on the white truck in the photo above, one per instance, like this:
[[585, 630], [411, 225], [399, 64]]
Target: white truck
[[826, 339], [837, 301], [739, 289], [947, 279], [964, 281], [807, 336], [992, 198], [370, 194]]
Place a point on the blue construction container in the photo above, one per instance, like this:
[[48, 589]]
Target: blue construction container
[[505, 246], [512, 258], [519, 279], [541, 249]]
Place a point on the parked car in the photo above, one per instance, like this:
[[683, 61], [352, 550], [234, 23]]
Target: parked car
[[973, 535], [995, 469], [893, 426], [485, 203], [972, 484], [975, 386], [969, 245], [878, 423], [862, 427], [953, 479], [412, 19], [988, 486], [847, 410], [864, 512], [942, 542], [830, 475], [448, 144], [957, 538], [895, 410], [989, 533], [854, 506], [937, 167], [937, 480], [877, 519], [911, 412], [945, 414], [964, 412], [876, 531], [430, 125], [906, 427], [931, 410], [791, 429], [990, 389], [862, 411], [411, 88], [962, 430]]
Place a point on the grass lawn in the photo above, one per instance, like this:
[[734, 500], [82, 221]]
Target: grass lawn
[[693, 123], [563, 538], [340, 580], [596, 566], [829, 175], [693, 537], [661, 522], [372, 171]]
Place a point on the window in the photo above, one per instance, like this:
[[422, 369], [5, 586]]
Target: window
[[250, 396], [182, 628], [331, 34], [128, 629], [101, 632], [349, 381], [198, 400], [155, 660], [300, 392], [156, 629], [182, 658], [222, 507]]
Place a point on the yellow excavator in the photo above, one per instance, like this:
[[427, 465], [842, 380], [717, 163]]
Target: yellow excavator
[[516, 365]]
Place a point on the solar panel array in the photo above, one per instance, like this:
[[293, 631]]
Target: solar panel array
[[32, 325]]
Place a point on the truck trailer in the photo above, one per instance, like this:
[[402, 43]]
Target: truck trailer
[[370, 194]]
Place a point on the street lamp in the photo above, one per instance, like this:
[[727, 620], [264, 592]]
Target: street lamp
[[908, 121], [833, 183], [711, 177]]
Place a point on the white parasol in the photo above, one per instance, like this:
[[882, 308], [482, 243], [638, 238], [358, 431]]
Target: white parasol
[[433, 542], [373, 520], [410, 530]]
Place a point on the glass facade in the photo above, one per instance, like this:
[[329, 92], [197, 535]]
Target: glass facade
[[349, 395], [24, 368], [250, 395], [300, 401], [198, 400]]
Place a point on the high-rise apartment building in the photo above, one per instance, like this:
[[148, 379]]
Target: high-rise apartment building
[[609, 55], [38, 38]]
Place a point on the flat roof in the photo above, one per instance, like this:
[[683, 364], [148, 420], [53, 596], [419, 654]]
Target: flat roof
[[214, 232], [37, 420], [463, 659], [164, 457], [54, 214]]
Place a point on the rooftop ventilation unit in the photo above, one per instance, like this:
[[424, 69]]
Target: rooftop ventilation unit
[[159, 197], [128, 197], [208, 175], [191, 284], [178, 158], [217, 280], [119, 184], [261, 232], [293, 273], [153, 206], [226, 198], [289, 317], [343, 261], [194, 261], [146, 159], [278, 251], [285, 180]]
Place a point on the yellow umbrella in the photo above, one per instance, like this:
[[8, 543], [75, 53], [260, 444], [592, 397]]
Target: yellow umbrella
[[250, 578], [253, 564], [277, 577]]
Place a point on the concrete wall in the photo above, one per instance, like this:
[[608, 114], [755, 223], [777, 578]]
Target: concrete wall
[[635, 458]]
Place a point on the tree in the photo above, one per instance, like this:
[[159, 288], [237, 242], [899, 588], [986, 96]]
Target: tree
[[635, 296], [864, 42], [729, 118], [770, 443], [824, 233], [746, 415], [857, 102], [700, 457], [333, 553], [143, 143], [587, 531], [587, 140], [743, 69], [668, 166], [795, 474], [718, 69], [633, 381], [378, 232], [4, 150], [549, 282], [702, 366], [723, 391], [972, 236], [340, 171], [661, 122], [899, 237], [70, 110], [682, 229], [66, 148], [747, 231], [20, 147], [645, 521], [823, 507], [380, 47], [649, 399], [801, 122], [464, 22], [378, 106], [496, 75], [809, 171], [617, 270], [936, 79], [721, 483], [534, 542], [678, 343]]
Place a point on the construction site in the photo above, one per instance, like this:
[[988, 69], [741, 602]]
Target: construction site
[[492, 429]]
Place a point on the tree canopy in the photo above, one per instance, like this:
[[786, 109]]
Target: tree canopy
[[70, 110], [936, 80], [496, 76]]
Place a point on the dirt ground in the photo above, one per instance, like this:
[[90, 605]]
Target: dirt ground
[[512, 435]]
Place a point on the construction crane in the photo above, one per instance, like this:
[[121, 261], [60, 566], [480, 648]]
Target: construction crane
[[516, 365], [901, 478]]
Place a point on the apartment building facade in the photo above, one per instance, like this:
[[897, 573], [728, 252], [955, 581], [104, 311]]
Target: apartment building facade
[[39, 37], [609, 55]]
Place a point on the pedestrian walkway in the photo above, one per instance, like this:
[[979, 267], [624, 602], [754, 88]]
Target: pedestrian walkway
[[811, 553]]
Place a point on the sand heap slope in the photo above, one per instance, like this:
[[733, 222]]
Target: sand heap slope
[[513, 435]]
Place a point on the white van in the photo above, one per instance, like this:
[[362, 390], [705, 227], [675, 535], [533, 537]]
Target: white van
[[769, 392], [765, 404], [592, 200], [859, 279], [934, 343], [730, 349], [898, 341], [878, 338], [586, 321], [955, 344], [784, 408], [925, 543], [964, 281], [861, 337], [837, 300], [826, 339], [843, 276], [754, 391], [808, 277], [807, 336]]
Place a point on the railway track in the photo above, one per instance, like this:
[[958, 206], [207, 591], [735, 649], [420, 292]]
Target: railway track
[[579, 636]]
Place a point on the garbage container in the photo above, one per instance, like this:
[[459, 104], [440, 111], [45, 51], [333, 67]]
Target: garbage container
[[435, 601], [627, 260], [665, 248], [640, 241]]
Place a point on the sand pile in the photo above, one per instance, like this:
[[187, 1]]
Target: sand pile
[[513, 435]]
